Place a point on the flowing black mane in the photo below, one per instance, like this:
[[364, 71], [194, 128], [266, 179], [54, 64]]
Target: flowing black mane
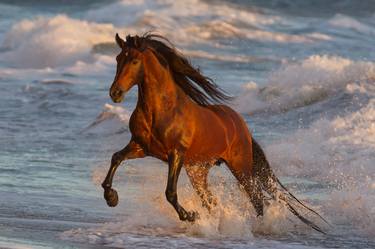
[[198, 87]]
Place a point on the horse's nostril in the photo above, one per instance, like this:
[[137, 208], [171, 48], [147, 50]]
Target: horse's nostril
[[113, 93], [116, 95]]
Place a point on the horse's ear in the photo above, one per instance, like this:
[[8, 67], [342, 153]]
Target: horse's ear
[[120, 41]]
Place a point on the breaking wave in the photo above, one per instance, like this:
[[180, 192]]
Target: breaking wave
[[197, 21], [339, 153], [307, 82], [53, 41], [61, 40]]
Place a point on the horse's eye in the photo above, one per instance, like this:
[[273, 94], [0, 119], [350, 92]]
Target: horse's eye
[[134, 62]]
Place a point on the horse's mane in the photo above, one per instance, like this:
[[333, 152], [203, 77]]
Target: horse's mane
[[198, 87]]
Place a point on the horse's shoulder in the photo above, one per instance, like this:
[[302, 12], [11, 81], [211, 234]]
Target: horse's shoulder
[[138, 121]]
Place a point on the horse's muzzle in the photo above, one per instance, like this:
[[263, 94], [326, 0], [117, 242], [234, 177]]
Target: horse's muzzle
[[117, 96]]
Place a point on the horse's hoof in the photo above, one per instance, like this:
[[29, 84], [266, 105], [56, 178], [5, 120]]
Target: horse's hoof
[[111, 197], [191, 216]]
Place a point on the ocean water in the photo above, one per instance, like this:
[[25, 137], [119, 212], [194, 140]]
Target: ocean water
[[303, 74]]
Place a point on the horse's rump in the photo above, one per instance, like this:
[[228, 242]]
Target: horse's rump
[[222, 129]]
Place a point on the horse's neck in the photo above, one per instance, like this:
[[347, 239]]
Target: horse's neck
[[158, 93]]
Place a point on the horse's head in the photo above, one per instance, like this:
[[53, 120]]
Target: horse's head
[[129, 68], [151, 54]]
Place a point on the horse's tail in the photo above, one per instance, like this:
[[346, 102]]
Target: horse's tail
[[269, 183]]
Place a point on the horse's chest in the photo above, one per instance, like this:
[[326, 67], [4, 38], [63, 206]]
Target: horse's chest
[[148, 135]]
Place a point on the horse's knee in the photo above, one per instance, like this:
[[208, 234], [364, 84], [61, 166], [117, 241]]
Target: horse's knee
[[117, 158]]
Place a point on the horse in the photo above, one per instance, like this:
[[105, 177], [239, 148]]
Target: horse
[[181, 118]]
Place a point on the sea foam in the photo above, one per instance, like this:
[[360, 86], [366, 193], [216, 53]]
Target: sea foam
[[306, 82], [53, 41], [339, 153], [146, 212]]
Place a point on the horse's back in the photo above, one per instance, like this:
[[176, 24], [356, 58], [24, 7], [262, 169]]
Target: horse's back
[[232, 119]]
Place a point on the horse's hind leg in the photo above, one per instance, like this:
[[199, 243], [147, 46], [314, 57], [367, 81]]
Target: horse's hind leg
[[242, 170], [255, 193], [198, 178]]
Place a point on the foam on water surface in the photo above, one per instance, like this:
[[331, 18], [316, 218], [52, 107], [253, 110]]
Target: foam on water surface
[[148, 214]]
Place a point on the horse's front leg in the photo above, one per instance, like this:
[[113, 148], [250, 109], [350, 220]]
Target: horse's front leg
[[131, 151], [175, 161]]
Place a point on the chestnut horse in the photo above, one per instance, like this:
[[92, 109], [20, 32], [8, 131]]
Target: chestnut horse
[[176, 121]]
